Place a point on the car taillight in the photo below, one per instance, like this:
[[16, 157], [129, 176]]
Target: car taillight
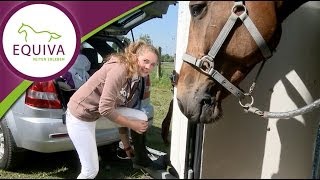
[[147, 88], [43, 95]]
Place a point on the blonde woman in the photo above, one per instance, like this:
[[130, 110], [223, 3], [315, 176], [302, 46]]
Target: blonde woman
[[102, 95]]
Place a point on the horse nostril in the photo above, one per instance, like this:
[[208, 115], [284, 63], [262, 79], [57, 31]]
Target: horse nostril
[[208, 101], [180, 105]]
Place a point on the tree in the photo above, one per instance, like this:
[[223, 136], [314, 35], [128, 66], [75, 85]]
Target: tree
[[167, 58], [146, 38]]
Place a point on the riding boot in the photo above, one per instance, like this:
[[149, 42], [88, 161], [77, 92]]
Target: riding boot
[[141, 158]]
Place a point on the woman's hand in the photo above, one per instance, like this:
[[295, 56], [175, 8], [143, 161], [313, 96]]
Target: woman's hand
[[138, 126]]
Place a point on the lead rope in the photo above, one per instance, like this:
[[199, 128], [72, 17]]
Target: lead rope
[[284, 115], [316, 156]]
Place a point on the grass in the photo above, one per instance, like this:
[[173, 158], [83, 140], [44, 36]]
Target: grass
[[64, 165]]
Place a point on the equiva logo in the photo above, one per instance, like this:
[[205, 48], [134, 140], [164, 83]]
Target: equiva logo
[[40, 41]]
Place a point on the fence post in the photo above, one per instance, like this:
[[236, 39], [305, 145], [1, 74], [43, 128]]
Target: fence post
[[159, 64]]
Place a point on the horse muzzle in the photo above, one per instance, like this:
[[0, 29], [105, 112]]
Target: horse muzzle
[[199, 107]]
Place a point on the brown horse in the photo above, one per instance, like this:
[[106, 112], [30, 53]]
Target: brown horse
[[215, 63]]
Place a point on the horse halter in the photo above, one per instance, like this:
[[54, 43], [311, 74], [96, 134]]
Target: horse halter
[[206, 63]]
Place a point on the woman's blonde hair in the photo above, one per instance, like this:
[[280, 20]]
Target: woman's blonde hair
[[131, 53]]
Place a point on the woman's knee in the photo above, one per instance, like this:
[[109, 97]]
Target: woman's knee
[[132, 113]]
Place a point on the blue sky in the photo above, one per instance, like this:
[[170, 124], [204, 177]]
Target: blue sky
[[162, 31]]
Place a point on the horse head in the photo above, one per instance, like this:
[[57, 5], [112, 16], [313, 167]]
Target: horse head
[[199, 94], [21, 28]]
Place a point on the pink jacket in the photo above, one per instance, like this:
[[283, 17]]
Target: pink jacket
[[105, 90]]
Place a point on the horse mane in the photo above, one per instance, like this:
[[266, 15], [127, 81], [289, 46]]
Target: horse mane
[[285, 8]]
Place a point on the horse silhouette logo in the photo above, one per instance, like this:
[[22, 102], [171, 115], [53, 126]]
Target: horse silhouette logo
[[33, 35], [36, 49]]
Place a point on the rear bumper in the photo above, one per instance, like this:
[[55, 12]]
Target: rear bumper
[[49, 135]]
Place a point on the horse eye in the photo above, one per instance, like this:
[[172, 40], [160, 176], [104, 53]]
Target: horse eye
[[197, 9]]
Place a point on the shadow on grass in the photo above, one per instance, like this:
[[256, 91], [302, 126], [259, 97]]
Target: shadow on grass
[[154, 140], [62, 165]]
